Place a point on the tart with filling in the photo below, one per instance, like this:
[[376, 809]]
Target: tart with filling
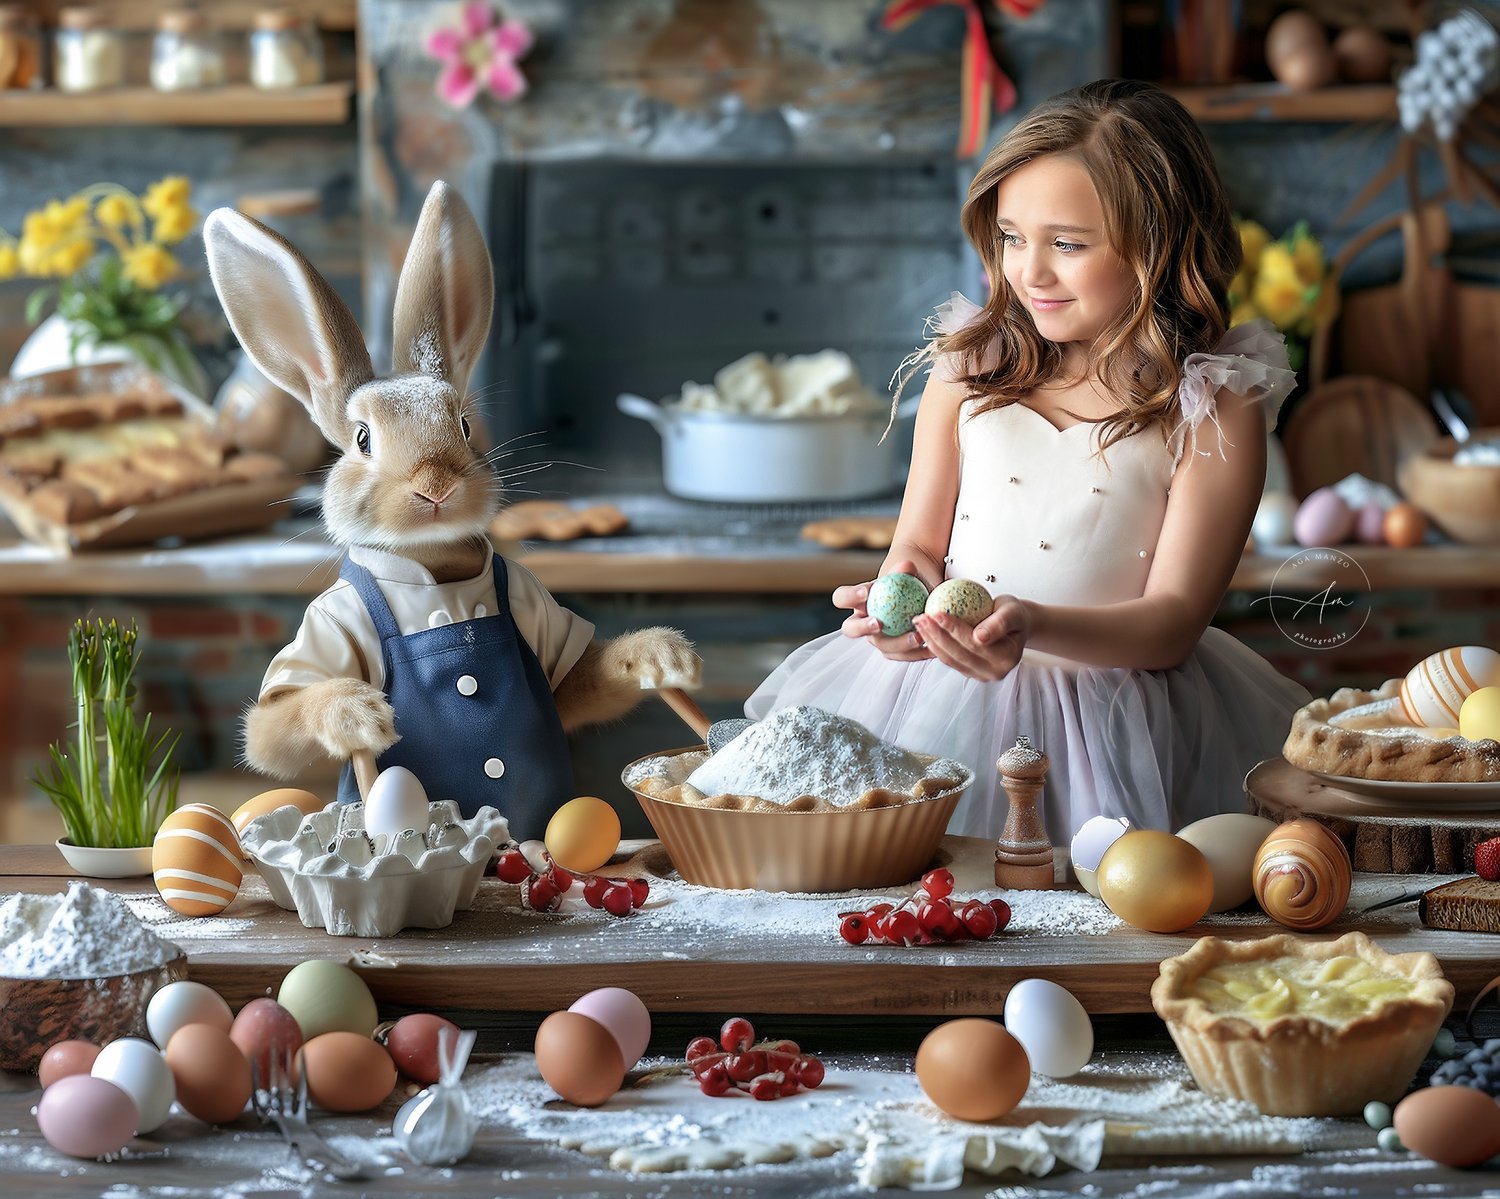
[[1302, 1028], [1363, 734]]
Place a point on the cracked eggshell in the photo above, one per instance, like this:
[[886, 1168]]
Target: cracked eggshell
[[1089, 843]]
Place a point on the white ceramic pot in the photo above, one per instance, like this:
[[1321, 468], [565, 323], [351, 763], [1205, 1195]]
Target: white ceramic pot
[[752, 459], [47, 349], [98, 862]]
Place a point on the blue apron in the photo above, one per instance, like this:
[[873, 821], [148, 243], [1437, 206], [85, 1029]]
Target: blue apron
[[476, 716]]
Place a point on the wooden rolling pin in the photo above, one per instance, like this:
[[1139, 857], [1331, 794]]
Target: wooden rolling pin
[[687, 708]]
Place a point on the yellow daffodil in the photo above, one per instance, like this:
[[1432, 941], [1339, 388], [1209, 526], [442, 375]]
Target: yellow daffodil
[[172, 192], [115, 211], [175, 223], [10, 260], [1253, 239], [72, 255], [1279, 293], [148, 265], [1307, 257]]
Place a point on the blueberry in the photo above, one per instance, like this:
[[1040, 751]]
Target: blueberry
[[1437, 1080], [1476, 1055], [1492, 1046]]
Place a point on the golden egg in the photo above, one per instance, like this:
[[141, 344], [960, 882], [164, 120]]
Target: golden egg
[[1404, 525], [268, 801], [1156, 881], [1302, 875], [1479, 718], [583, 834]]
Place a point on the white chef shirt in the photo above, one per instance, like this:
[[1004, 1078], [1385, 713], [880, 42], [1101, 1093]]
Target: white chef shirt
[[338, 640]]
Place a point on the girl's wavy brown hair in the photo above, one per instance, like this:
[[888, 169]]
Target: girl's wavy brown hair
[[1165, 213]]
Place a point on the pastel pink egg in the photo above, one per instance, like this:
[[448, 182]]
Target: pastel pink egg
[[1369, 523], [623, 1014], [1323, 519], [87, 1117]]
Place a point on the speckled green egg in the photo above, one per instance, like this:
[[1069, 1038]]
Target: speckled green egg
[[894, 599], [962, 599]]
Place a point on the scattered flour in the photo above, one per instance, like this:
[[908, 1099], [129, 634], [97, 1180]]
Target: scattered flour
[[807, 751], [86, 933]]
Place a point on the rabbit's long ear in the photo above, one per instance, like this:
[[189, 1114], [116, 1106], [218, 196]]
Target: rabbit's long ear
[[286, 316], [446, 294]]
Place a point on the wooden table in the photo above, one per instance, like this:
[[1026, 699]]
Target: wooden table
[[848, 1001]]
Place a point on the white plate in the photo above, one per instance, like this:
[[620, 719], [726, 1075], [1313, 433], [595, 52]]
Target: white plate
[[1414, 797]]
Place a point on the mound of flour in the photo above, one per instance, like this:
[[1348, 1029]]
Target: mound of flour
[[87, 933], [807, 751]]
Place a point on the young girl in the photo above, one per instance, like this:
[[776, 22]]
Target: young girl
[[1091, 448]]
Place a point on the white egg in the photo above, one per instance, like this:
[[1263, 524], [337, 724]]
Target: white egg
[[1436, 687], [1273, 519], [1229, 842], [182, 1003], [1051, 1025], [396, 802], [138, 1069], [1089, 844]]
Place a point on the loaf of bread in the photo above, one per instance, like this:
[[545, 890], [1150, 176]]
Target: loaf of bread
[[1468, 904]]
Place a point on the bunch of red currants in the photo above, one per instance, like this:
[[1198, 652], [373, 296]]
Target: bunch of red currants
[[769, 1070], [544, 892], [926, 916]]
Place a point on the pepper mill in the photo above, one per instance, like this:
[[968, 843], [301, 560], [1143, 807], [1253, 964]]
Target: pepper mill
[[1023, 858]]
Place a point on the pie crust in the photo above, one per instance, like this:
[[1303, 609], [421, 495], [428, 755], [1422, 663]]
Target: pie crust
[[1298, 1064], [1362, 734]]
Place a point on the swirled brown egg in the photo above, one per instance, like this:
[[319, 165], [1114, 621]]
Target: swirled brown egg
[[1302, 875]]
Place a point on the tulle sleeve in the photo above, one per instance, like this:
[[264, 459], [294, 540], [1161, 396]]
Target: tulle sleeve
[[949, 317], [1250, 361]]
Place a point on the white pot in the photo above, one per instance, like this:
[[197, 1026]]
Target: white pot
[[753, 459], [47, 349]]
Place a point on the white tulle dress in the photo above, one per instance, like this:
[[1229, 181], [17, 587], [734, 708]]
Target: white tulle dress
[[1041, 517]]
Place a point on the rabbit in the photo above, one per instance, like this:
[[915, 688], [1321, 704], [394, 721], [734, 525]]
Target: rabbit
[[408, 482]]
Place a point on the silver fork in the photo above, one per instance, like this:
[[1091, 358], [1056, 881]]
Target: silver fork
[[280, 1103]]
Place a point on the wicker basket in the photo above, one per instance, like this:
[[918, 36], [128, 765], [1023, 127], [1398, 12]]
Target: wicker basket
[[798, 851]]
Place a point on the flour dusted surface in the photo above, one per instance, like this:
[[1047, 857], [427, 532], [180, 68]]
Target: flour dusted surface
[[807, 751], [86, 933]]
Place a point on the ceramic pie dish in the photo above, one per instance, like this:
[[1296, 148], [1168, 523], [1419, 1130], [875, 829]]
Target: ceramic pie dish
[[885, 843], [336, 877], [1362, 734], [1302, 1028]]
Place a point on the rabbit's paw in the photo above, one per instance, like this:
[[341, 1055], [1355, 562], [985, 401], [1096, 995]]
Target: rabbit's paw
[[655, 658], [350, 714]]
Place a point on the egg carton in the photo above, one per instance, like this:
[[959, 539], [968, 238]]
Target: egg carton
[[336, 876]]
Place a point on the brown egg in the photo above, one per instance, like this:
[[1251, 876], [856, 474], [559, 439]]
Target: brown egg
[[1156, 881], [1362, 55], [579, 1058], [65, 1058], [212, 1075], [1292, 30], [268, 801], [262, 1026], [1453, 1126], [1297, 51], [1404, 525], [973, 1069], [413, 1045], [1306, 68], [1302, 875], [347, 1072]]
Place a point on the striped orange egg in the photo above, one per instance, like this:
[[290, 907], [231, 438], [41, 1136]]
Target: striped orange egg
[[195, 861], [1437, 686]]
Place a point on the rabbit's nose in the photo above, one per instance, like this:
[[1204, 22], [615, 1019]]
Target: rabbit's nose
[[435, 500]]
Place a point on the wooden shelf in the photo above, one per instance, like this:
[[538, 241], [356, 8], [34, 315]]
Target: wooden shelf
[[1275, 102], [238, 104]]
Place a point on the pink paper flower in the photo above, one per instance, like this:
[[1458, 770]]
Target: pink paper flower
[[479, 54]]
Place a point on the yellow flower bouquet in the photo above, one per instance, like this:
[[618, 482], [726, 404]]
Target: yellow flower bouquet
[[1286, 281], [108, 250]]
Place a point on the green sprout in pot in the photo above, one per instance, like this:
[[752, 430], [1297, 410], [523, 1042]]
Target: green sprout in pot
[[119, 801]]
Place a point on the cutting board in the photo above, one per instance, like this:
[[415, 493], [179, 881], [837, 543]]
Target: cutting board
[[1355, 424]]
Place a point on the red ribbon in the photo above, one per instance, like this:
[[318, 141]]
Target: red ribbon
[[984, 85]]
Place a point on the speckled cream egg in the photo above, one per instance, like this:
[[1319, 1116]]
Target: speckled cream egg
[[894, 599], [964, 599], [1435, 690]]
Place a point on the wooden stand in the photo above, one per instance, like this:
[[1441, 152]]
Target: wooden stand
[[1023, 858]]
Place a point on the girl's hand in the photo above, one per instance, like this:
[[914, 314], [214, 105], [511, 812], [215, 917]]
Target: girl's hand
[[987, 652], [859, 623]]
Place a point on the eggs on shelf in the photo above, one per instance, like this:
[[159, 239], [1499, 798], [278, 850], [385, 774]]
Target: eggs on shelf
[[196, 861], [1433, 693]]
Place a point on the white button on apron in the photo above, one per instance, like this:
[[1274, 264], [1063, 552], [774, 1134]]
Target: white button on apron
[[467, 684], [438, 619], [494, 768], [480, 610]]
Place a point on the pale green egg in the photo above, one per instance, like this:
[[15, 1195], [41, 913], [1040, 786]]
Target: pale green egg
[[963, 599], [328, 997], [894, 599]]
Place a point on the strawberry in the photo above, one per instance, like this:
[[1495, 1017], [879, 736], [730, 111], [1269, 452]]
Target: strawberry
[[1487, 859]]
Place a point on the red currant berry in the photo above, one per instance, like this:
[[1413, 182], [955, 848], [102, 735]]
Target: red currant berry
[[855, 930], [879, 910], [932, 919], [1002, 913], [700, 1047], [639, 889], [617, 901], [766, 1087], [512, 867], [562, 878], [742, 1067], [593, 891], [737, 1035], [541, 894], [809, 1072], [790, 1087], [702, 1065], [715, 1081], [787, 1047], [902, 926], [938, 883], [981, 921]]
